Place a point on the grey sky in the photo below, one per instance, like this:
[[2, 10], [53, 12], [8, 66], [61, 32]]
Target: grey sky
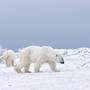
[[59, 23]]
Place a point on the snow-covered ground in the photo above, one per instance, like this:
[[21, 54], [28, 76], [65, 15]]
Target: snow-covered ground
[[73, 75]]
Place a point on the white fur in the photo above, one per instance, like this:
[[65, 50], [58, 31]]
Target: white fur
[[9, 57], [37, 55]]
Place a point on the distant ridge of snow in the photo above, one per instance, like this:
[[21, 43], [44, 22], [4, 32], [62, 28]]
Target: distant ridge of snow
[[85, 52]]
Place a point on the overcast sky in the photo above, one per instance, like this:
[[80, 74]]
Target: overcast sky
[[58, 23]]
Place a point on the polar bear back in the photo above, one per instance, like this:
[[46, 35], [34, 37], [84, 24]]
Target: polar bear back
[[37, 53], [31, 53], [9, 54], [48, 53]]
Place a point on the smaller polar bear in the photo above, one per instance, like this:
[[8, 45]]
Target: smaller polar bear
[[9, 57], [38, 55]]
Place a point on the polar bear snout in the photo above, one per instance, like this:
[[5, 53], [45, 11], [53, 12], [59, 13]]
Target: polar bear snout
[[59, 59], [62, 61]]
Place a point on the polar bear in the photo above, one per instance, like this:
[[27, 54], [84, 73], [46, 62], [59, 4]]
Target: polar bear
[[9, 57], [38, 55]]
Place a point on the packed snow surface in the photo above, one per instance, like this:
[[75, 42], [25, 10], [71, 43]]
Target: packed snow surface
[[73, 75]]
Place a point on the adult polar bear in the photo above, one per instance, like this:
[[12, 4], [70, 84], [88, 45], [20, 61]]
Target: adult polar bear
[[38, 55]]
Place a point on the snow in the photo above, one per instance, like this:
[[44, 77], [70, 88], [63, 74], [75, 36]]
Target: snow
[[73, 75]]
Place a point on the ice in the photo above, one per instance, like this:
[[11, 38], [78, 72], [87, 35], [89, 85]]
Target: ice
[[73, 75]]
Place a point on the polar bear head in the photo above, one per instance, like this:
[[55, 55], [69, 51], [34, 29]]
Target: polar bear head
[[59, 58]]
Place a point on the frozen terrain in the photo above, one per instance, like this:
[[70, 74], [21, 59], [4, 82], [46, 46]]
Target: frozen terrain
[[73, 75]]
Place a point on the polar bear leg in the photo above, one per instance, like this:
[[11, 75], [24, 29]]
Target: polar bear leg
[[52, 65], [37, 66], [26, 68], [7, 62], [12, 62], [18, 67], [18, 70]]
